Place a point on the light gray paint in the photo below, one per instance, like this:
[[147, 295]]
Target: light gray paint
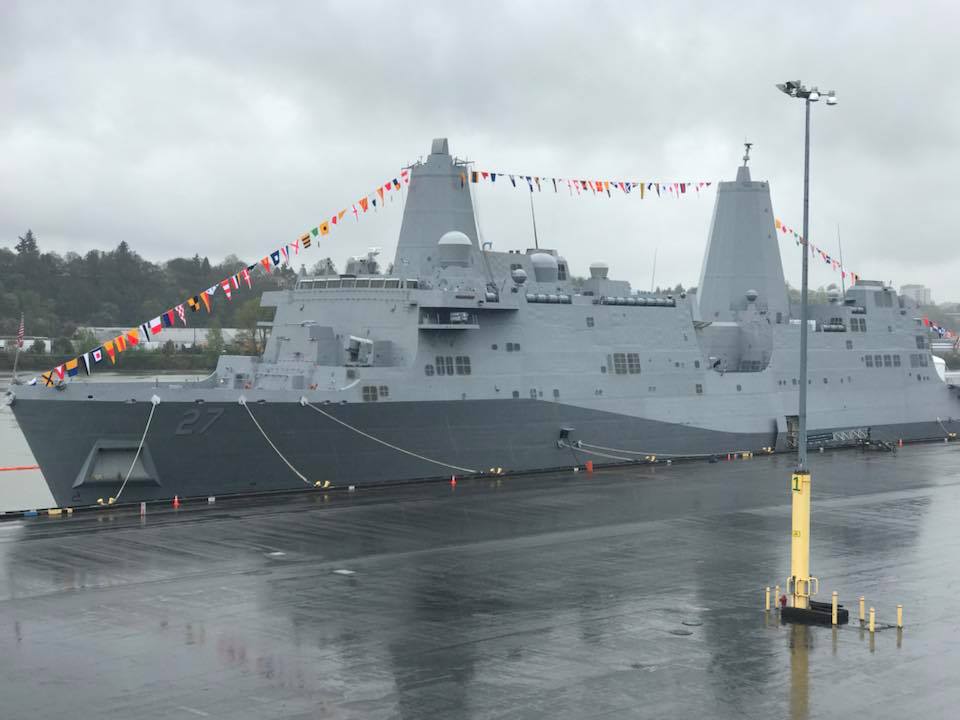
[[542, 357]]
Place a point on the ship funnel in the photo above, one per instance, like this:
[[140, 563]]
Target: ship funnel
[[438, 202], [742, 257]]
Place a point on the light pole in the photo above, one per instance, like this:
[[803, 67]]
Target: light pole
[[800, 583]]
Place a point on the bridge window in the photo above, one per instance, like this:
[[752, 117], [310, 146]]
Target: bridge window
[[428, 370], [384, 391], [887, 361], [633, 363], [699, 389], [896, 361], [878, 360], [463, 365], [696, 363], [441, 368], [620, 363], [869, 360], [370, 393], [921, 342]]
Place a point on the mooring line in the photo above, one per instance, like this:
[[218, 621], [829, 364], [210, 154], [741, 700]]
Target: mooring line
[[598, 454], [581, 444], [243, 402], [307, 403], [154, 401]]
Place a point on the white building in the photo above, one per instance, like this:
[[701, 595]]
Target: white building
[[920, 294]]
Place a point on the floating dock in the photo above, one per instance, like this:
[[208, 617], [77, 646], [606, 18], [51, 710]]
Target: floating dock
[[631, 592]]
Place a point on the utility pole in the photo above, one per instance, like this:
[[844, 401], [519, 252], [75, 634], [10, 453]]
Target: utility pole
[[801, 585]]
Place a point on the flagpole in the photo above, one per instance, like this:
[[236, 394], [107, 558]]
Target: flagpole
[[16, 356], [843, 284], [653, 274]]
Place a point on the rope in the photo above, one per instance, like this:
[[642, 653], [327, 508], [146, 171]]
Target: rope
[[582, 444], [304, 401], [599, 454], [154, 401], [243, 402]]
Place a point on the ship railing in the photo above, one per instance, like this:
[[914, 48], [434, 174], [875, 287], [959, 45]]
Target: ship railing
[[349, 282], [636, 301]]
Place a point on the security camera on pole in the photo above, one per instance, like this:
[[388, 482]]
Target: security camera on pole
[[801, 585]]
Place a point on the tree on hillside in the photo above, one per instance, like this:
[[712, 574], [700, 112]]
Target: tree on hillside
[[27, 245], [324, 267], [215, 342]]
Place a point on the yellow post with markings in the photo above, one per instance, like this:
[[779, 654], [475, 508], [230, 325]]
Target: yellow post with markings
[[800, 584]]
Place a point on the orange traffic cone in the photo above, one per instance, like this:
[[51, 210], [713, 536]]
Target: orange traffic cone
[[176, 502], [453, 481]]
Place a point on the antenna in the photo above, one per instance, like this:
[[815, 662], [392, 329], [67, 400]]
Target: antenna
[[746, 155], [533, 215], [653, 275]]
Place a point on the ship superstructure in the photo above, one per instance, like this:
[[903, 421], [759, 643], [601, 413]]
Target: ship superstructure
[[467, 358]]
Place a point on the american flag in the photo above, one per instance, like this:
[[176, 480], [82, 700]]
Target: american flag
[[20, 333]]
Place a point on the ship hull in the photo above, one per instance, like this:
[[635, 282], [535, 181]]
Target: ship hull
[[216, 448]]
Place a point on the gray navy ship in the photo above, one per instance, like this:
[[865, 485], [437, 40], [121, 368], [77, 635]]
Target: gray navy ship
[[467, 358]]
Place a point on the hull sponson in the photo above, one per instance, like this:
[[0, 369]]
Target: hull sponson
[[221, 452]]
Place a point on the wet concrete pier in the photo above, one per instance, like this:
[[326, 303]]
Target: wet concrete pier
[[625, 593]]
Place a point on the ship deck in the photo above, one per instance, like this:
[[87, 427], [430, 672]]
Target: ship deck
[[631, 592]]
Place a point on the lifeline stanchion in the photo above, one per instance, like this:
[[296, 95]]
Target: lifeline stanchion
[[861, 610]]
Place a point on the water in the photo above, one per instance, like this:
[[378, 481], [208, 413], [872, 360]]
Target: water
[[26, 489]]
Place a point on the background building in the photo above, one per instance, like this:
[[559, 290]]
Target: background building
[[920, 294]]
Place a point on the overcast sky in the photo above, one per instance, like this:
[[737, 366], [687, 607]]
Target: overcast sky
[[231, 127]]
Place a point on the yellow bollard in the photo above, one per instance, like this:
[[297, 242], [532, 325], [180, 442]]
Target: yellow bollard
[[800, 584], [861, 610], [833, 609], [899, 617], [766, 599], [873, 618]]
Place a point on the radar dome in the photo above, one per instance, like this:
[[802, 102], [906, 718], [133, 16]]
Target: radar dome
[[752, 295], [544, 267], [454, 249], [519, 276]]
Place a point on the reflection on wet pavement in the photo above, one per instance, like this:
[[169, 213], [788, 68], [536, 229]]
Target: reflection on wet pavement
[[626, 593]]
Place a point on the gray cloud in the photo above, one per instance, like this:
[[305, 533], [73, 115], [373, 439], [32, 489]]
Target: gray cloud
[[221, 127]]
